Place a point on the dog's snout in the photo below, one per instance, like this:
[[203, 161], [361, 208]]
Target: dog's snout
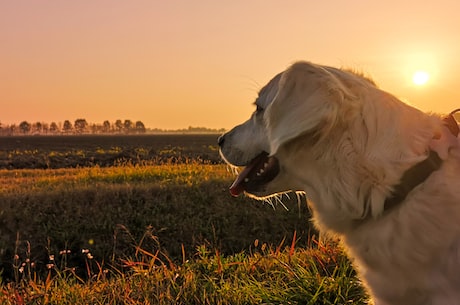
[[221, 140]]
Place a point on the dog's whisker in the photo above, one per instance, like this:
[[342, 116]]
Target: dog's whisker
[[279, 200], [276, 199], [301, 198], [269, 201], [233, 169]]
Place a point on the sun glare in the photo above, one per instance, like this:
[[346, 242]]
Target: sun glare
[[420, 78]]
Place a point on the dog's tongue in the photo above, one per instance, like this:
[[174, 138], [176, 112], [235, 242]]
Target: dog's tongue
[[239, 184], [237, 187]]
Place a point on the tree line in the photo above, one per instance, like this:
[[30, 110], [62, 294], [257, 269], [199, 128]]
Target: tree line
[[79, 126]]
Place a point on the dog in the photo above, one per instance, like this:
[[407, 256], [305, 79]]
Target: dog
[[380, 174]]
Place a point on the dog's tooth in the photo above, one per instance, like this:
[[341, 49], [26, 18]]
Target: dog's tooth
[[246, 179], [265, 164], [260, 172]]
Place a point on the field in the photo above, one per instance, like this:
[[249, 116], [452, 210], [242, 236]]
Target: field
[[41, 152], [148, 220]]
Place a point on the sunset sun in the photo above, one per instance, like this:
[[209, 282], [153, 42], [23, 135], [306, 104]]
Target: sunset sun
[[420, 78]]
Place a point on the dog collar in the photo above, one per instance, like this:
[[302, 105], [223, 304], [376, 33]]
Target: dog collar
[[413, 177], [421, 171]]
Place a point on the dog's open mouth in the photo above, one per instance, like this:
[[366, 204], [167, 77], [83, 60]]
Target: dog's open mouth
[[261, 170]]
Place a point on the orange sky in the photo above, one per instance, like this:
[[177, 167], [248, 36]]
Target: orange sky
[[174, 64]]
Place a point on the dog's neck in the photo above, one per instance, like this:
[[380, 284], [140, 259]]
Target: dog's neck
[[417, 174]]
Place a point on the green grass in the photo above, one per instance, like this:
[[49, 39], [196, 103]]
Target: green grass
[[159, 234]]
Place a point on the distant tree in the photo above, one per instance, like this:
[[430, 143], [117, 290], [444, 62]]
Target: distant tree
[[45, 128], [53, 127], [13, 129], [140, 127], [80, 126], [118, 126], [95, 128], [128, 126], [106, 126], [37, 127], [24, 127], [67, 127]]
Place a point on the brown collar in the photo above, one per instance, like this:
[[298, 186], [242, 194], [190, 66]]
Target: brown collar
[[420, 171], [451, 123]]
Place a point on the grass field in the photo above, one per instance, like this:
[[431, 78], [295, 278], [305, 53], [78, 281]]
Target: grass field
[[42, 152], [150, 232]]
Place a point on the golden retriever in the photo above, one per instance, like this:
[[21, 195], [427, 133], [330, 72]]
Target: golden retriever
[[382, 175]]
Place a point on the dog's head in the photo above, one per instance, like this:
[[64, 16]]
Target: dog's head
[[331, 133], [302, 101]]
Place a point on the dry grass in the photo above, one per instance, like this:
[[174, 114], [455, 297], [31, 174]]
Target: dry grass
[[319, 274]]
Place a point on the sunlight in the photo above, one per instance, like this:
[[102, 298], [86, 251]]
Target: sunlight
[[420, 68], [420, 78]]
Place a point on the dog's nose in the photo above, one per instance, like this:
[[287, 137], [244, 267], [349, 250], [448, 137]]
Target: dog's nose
[[221, 140]]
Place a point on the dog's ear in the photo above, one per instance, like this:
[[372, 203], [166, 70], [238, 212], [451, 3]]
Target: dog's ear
[[308, 101]]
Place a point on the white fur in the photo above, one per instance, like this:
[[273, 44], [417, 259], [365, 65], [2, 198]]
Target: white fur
[[346, 143]]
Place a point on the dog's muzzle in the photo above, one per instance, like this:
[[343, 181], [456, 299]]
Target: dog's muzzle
[[256, 174]]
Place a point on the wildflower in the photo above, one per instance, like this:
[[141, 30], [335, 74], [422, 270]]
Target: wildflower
[[21, 270], [64, 252], [89, 255], [49, 266], [51, 257], [84, 251]]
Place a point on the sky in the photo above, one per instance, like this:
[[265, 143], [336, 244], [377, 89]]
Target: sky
[[173, 64]]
